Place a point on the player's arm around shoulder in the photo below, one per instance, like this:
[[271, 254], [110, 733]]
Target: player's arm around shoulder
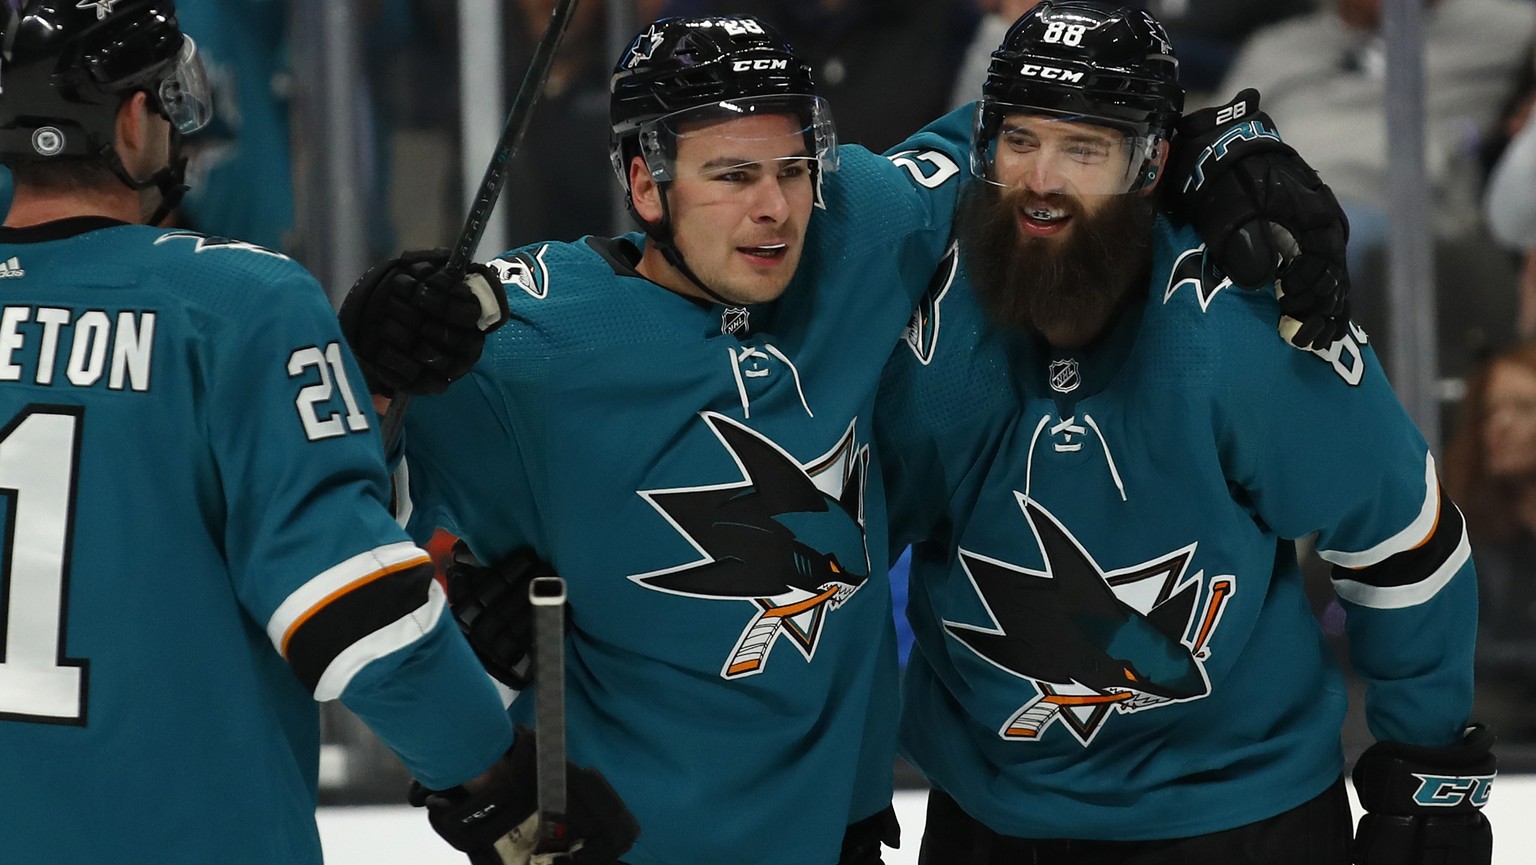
[[885, 201], [934, 164]]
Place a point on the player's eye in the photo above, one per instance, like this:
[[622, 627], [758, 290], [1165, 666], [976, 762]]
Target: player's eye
[[1088, 151], [794, 168], [1019, 141]]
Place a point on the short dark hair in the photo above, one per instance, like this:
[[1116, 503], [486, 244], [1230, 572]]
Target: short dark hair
[[64, 175]]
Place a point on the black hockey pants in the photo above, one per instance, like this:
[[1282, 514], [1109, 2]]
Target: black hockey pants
[[1316, 832]]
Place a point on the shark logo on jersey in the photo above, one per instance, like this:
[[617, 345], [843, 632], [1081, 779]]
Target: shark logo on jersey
[[644, 47], [788, 539], [1190, 269], [527, 272], [922, 333], [1091, 641], [207, 243]]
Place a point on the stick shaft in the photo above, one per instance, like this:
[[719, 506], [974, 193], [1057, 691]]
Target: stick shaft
[[548, 597], [495, 177]]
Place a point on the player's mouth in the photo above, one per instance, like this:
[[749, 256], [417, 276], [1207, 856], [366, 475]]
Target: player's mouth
[[1043, 220], [765, 254]]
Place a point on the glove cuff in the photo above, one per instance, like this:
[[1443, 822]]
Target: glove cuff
[[472, 822], [1402, 779]]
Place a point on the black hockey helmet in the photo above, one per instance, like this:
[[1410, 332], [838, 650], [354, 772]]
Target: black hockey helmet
[[66, 66], [688, 70], [1092, 61], [684, 69]]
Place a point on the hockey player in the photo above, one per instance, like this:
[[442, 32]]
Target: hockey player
[[1097, 459], [198, 545], [680, 422]]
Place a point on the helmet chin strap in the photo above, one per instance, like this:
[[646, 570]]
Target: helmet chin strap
[[660, 233], [170, 180]]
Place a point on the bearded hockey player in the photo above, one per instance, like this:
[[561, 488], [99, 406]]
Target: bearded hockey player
[[1097, 457]]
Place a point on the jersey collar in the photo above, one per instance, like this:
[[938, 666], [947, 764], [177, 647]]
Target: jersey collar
[[57, 229]]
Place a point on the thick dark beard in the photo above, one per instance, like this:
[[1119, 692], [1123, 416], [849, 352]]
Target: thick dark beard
[[1067, 288]]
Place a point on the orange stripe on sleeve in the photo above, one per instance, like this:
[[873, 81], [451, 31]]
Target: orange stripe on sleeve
[[350, 587]]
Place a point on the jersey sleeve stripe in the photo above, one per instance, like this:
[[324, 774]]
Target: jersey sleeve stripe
[[1413, 535], [336, 580], [1413, 577], [402, 497], [350, 592], [396, 635], [380, 616]]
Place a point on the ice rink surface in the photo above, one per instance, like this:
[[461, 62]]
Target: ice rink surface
[[400, 835]]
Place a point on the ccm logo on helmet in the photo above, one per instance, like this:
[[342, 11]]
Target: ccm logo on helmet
[[1050, 73], [758, 65]]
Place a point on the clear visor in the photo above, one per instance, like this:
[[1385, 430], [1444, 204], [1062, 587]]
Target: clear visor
[[184, 94], [1056, 152], [779, 134]]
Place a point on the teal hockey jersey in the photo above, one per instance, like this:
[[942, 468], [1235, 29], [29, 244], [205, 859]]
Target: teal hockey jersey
[[197, 548], [1112, 640], [701, 477]]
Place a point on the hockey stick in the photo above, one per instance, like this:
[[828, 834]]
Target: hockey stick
[[547, 594], [495, 177]]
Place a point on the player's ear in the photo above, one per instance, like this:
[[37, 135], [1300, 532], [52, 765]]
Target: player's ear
[[644, 190], [133, 127]]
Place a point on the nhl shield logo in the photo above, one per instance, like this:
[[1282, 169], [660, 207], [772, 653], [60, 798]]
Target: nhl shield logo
[[1064, 377], [734, 320]]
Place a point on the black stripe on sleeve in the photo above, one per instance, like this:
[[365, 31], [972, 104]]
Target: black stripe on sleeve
[[1418, 564], [330, 630]]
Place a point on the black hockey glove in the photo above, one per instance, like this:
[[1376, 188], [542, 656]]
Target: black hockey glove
[[1423, 806], [499, 825], [412, 330], [1264, 215], [490, 604]]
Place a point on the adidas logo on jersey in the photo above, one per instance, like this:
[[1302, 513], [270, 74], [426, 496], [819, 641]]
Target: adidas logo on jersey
[[11, 268]]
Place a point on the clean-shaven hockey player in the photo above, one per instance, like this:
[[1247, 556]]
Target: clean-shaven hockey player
[[198, 545], [682, 427], [680, 423], [1100, 454]]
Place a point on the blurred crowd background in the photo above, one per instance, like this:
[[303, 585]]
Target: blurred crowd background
[[349, 129]]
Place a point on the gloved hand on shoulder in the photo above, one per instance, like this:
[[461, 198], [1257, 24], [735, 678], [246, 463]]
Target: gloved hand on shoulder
[[1264, 214]]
